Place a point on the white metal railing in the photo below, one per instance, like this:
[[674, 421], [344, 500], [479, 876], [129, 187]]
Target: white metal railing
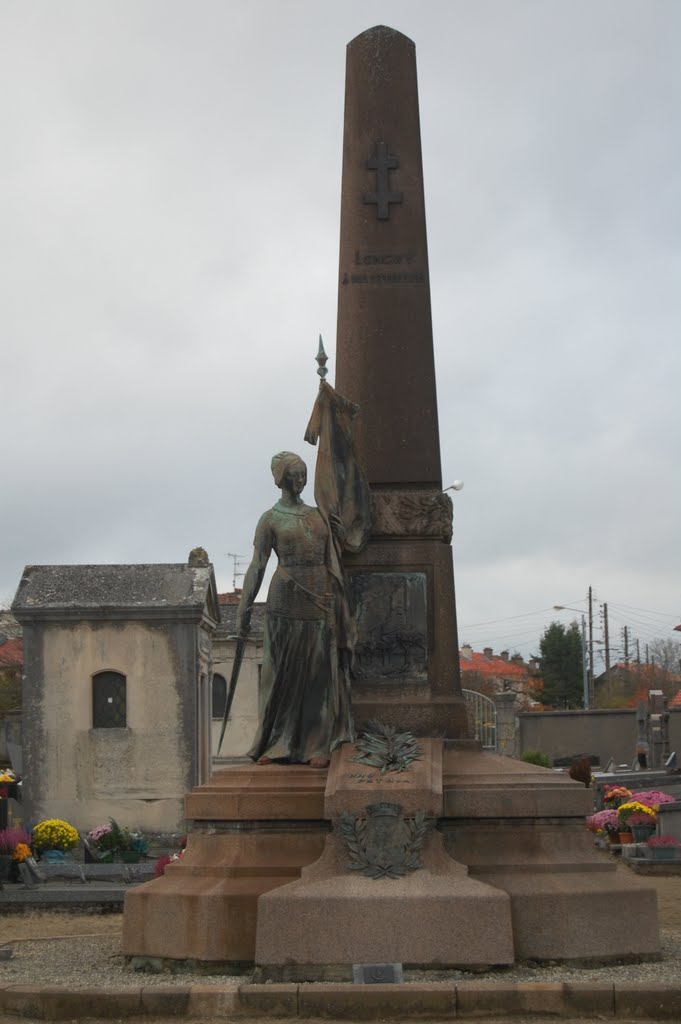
[[483, 718]]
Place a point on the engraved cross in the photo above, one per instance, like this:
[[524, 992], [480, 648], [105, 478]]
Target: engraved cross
[[382, 163]]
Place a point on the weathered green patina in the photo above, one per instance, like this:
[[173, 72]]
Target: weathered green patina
[[309, 630]]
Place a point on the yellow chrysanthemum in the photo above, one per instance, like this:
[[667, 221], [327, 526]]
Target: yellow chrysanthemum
[[634, 807], [54, 834]]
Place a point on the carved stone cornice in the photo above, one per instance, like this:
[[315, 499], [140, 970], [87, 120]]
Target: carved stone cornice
[[401, 512]]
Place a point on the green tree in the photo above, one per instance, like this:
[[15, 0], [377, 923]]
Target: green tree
[[560, 666]]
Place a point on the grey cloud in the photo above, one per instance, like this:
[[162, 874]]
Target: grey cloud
[[170, 205]]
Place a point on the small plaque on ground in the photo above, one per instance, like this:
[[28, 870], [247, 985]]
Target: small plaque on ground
[[377, 974]]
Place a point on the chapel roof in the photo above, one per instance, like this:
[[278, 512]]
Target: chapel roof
[[52, 591], [227, 627]]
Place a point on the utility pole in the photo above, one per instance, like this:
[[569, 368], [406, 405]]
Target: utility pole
[[585, 674], [591, 648], [638, 650], [626, 646], [607, 651]]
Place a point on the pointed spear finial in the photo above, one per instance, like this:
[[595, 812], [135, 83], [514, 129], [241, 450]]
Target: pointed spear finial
[[322, 359]]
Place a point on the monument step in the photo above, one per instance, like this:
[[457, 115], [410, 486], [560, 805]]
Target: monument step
[[478, 784], [250, 792], [204, 906]]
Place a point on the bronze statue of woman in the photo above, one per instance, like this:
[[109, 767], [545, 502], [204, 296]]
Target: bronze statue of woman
[[305, 685], [309, 629]]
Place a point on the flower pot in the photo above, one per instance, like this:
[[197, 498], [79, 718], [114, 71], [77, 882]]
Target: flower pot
[[130, 856], [625, 837], [613, 837], [642, 832], [666, 852], [5, 866], [53, 856], [106, 858]]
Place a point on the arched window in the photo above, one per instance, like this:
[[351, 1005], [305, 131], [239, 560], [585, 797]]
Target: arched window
[[219, 695], [109, 701]]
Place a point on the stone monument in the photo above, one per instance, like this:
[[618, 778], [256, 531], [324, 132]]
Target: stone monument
[[414, 846]]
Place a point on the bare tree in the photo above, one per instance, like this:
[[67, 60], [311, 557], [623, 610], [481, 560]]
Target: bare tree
[[666, 654]]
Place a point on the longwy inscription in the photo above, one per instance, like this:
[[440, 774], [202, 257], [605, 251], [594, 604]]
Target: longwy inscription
[[367, 259], [363, 259], [415, 277]]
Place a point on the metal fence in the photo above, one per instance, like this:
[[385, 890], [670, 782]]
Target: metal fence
[[483, 718]]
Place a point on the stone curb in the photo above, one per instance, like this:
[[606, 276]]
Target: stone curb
[[468, 999]]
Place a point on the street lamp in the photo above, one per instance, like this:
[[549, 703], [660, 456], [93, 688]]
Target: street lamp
[[585, 674]]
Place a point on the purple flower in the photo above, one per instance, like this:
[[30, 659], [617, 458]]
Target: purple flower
[[603, 821], [98, 831], [653, 798]]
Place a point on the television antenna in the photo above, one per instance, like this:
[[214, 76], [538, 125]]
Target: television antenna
[[236, 561]]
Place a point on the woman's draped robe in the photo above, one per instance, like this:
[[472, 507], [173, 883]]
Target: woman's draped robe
[[309, 628]]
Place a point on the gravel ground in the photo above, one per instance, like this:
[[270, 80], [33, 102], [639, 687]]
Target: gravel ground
[[84, 961], [96, 960]]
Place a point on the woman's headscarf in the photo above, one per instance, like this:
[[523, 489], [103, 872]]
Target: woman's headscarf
[[280, 463]]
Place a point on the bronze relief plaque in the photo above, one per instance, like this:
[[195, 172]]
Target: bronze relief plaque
[[391, 611]]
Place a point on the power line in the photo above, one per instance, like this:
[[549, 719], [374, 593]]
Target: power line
[[648, 630], [670, 615], [498, 638], [508, 618]]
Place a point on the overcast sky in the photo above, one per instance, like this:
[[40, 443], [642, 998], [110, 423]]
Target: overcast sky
[[169, 206]]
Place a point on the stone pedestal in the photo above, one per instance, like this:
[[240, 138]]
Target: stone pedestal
[[352, 785], [255, 828], [204, 907], [436, 916], [521, 829], [348, 918], [262, 793], [508, 846]]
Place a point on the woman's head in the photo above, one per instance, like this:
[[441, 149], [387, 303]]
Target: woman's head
[[289, 470]]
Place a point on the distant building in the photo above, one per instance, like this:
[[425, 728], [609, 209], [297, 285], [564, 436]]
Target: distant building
[[489, 673], [628, 683], [243, 719], [11, 667]]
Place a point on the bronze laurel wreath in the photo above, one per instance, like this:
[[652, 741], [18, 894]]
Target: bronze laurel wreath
[[381, 746]]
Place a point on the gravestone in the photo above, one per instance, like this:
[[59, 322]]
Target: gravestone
[[407, 666]]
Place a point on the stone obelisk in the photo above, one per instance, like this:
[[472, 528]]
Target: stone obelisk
[[403, 586]]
